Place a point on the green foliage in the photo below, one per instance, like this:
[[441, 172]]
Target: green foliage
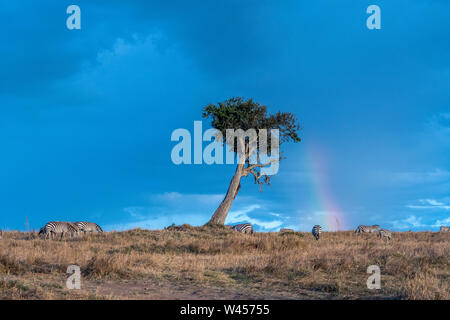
[[240, 113]]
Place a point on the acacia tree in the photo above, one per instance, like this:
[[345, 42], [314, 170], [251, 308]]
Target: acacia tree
[[238, 113]]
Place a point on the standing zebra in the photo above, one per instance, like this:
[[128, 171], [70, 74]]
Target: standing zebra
[[1, 233], [367, 229], [59, 227], [383, 233], [88, 226], [316, 231], [243, 228], [444, 229]]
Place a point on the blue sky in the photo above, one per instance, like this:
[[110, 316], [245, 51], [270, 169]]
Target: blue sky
[[87, 115]]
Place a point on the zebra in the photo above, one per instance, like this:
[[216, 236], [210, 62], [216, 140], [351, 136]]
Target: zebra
[[367, 229], [316, 231], [88, 226], [59, 227], [1, 233], [444, 229], [243, 228], [384, 233]]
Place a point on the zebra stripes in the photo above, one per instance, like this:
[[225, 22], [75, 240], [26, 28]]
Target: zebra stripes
[[444, 229], [88, 226], [367, 229], [62, 228], [243, 228], [316, 230], [383, 233]]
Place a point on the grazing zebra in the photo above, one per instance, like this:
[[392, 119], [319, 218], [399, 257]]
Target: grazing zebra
[[88, 226], [243, 228], [383, 233], [285, 230], [316, 230], [444, 229], [59, 227], [44, 232], [367, 229]]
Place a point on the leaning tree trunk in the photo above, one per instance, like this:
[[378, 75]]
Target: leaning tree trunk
[[221, 212]]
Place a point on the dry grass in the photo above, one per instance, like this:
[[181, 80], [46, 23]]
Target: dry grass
[[220, 263]]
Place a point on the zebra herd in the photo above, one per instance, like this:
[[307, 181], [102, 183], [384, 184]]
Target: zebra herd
[[382, 233], [248, 228], [65, 228], [74, 229]]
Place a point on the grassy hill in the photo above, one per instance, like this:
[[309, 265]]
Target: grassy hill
[[202, 263]]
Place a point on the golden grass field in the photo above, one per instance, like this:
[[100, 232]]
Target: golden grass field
[[216, 263]]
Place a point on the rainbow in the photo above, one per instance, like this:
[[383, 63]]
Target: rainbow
[[327, 212]]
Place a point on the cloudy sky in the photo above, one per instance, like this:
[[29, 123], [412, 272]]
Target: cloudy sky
[[87, 115]]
